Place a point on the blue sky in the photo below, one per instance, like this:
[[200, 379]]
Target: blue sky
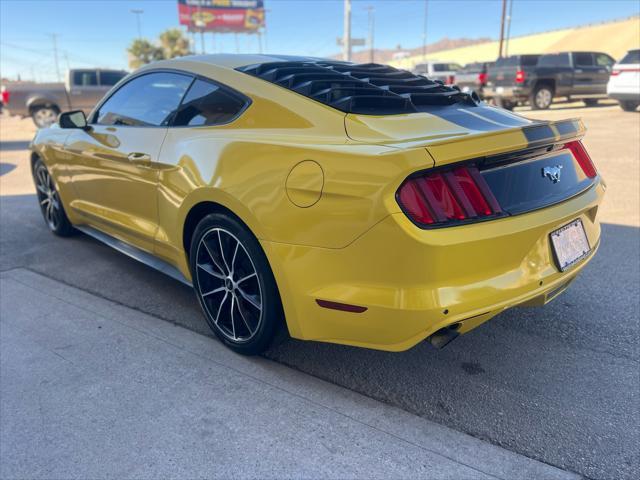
[[96, 33]]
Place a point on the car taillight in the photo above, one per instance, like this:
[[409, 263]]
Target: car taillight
[[5, 96], [482, 78], [582, 157], [520, 76], [615, 72], [450, 80], [456, 194]]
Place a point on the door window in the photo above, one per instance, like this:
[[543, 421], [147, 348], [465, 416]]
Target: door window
[[208, 104], [109, 79], [85, 78], [149, 100], [583, 59], [603, 60]]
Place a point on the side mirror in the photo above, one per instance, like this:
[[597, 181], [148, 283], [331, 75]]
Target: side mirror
[[75, 119]]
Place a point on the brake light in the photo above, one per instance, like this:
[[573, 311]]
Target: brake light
[[582, 157], [520, 76], [451, 195], [451, 79], [5, 95], [615, 72], [482, 78]]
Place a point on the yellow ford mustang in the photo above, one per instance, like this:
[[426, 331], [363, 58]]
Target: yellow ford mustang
[[352, 203]]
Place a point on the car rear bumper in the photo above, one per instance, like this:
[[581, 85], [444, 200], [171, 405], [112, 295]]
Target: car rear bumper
[[414, 282], [517, 93], [625, 96]]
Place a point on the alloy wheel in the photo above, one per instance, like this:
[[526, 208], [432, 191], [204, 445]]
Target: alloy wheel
[[543, 98], [228, 286], [45, 117], [48, 198]]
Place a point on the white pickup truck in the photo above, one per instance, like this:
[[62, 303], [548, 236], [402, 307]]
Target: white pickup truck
[[44, 101]]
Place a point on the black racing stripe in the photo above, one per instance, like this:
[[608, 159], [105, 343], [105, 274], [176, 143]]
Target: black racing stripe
[[456, 114], [502, 116], [567, 128], [539, 135]]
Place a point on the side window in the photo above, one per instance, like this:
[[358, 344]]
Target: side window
[[148, 100], [111, 78], [208, 104], [548, 60], [563, 60], [85, 78], [603, 60], [583, 59]]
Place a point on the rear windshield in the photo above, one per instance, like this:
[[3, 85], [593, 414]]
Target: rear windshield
[[632, 56]]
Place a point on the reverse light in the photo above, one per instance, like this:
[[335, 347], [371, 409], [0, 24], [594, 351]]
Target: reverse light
[[520, 76], [452, 195], [582, 157]]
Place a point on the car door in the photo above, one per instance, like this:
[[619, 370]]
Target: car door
[[585, 76], [114, 166], [84, 90]]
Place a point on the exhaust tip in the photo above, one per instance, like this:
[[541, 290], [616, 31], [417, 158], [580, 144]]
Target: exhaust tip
[[444, 336]]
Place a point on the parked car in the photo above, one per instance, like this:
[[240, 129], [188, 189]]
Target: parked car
[[574, 75], [473, 77], [346, 203], [624, 83], [44, 101], [508, 79], [443, 71]]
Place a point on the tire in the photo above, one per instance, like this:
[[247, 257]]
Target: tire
[[44, 117], [629, 106], [50, 203], [590, 102], [234, 285], [541, 97]]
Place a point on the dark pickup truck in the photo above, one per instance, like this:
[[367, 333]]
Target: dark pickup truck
[[537, 79]]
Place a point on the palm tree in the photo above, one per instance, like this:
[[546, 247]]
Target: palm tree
[[142, 52], [174, 44]]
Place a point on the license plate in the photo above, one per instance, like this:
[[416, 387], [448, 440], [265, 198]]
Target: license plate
[[499, 89], [570, 244]]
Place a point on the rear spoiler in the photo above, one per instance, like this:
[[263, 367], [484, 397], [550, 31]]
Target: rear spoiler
[[494, 143]]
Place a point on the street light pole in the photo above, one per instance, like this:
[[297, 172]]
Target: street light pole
[[137, 12], [424, 33], [504, 12], [370, 11], [346, 37]]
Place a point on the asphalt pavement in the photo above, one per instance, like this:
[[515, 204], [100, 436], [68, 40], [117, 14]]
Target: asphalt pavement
[[558, 384]]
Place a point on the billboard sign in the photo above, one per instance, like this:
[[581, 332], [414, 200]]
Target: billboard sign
[[222, 15]]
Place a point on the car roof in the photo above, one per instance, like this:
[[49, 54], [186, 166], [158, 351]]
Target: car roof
[[235, 60]]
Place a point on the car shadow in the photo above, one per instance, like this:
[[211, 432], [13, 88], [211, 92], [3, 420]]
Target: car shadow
[[6, 168], [12, 146]]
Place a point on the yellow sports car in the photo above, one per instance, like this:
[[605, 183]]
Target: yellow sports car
[[348, 203]]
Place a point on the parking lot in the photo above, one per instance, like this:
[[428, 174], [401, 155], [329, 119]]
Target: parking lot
[[559, 384]]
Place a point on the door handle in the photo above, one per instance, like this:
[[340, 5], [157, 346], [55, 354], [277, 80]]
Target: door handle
[[578, 70], [138, 158]]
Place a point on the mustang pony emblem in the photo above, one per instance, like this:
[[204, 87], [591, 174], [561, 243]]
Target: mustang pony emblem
[[553, 173]]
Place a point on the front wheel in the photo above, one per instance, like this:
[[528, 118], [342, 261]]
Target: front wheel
[[44, 117], [49, 200], [629, 106], [234, 284], [541, 98]]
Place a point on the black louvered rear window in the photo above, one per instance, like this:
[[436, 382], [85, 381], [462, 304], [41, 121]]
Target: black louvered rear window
[[369, 88]]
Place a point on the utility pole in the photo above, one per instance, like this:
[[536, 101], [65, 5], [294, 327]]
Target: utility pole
[[424, 33], [54, 39], [370, 11], [346, 37], [506, 43], [137, 12], [504, 13]]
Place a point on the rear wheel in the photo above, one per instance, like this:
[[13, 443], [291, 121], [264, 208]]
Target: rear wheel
[[44, 117], [628, 106], [541, 98], [590, 102], [49, 200], [234, 284]]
